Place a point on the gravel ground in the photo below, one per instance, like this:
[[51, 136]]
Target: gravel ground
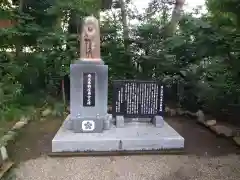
[[149, 167]]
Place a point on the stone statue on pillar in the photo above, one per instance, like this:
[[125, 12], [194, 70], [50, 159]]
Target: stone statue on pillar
[[90, 40], [89, 82]]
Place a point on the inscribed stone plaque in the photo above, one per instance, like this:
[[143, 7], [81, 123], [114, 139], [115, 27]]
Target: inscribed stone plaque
[[89, 89], [90, 40], [98, 90], [137, 98]]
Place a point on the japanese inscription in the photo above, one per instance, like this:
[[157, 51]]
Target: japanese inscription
[[88, 89], [138, 98], [90, 40]]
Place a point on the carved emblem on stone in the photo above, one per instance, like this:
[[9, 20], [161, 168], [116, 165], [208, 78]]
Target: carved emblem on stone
[[88, 125]]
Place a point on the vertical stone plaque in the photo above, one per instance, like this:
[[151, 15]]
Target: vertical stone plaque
[[79, 93], [89, 89]]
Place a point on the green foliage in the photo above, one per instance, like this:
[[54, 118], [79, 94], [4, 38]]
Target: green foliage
[[202, 57]]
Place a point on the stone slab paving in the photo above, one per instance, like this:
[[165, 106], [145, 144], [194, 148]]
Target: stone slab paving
[[151, 167], [133, 136]]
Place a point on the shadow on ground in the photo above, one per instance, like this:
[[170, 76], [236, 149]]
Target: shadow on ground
[[35, 139]]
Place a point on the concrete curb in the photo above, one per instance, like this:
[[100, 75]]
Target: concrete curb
[[3, 154], [12, 134], [210, 124], [5, 164]]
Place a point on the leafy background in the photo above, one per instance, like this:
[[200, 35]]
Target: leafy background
[[197, 56]]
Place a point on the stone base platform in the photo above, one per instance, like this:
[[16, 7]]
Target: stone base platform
[[134, 136]]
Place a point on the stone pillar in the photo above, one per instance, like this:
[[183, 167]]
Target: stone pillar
[[3, 155], [89, 82]]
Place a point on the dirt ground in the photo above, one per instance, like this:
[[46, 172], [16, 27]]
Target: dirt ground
[[35, 140], [200, 141], [207, 157], [5, 126]]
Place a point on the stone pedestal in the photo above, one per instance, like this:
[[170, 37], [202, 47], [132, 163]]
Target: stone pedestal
[[88, 96], [158, 121], [132, 137], [119, 121]]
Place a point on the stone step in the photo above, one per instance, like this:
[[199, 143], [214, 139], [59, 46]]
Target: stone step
[[222, 130], [134, 136]]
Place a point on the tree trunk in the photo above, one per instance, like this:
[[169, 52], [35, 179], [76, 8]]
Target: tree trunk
[[176, 17], [18, 44], [124, 23], [126, 37]]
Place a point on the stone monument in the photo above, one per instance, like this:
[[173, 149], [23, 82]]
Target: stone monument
[[137, 121], [88, 83]]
